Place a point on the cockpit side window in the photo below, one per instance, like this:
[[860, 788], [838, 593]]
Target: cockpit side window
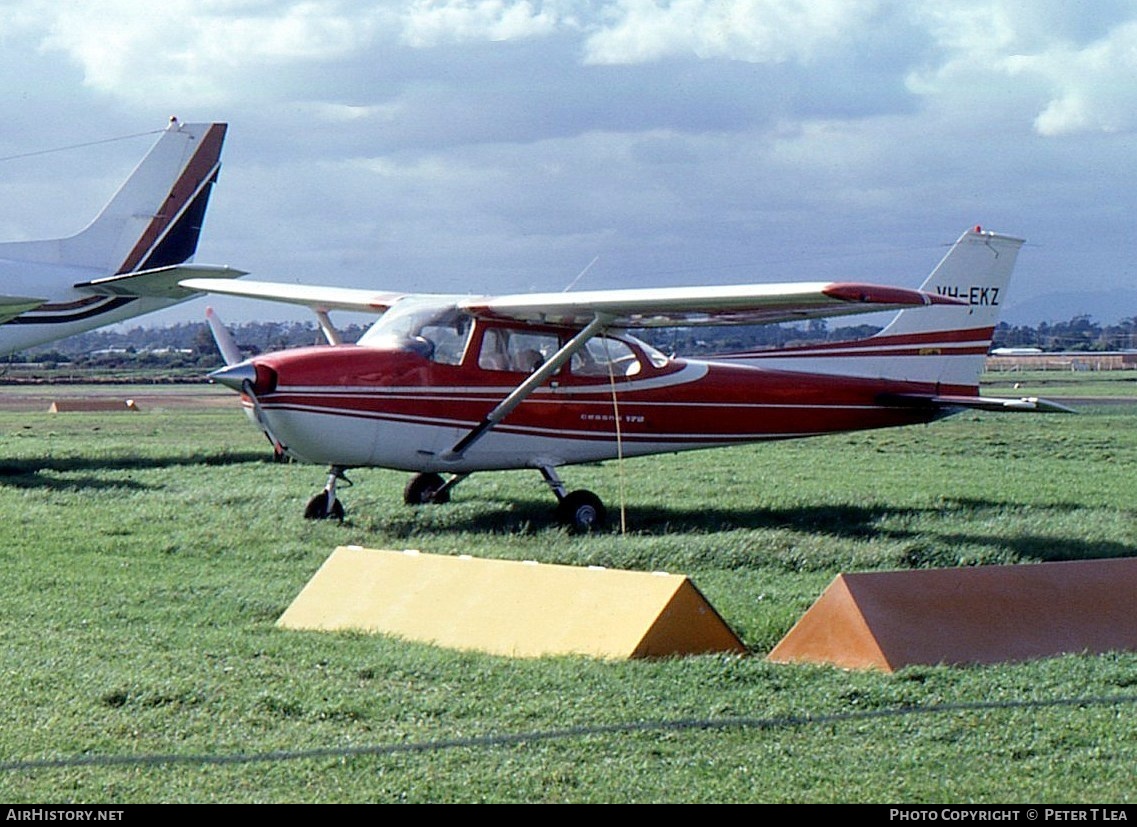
[[449, 340]]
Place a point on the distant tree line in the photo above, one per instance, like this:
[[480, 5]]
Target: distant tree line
[[1081, 333], [186, 344], [190, 344]]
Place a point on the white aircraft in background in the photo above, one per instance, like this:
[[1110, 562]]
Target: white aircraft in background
[[129, 260], [452, 385]]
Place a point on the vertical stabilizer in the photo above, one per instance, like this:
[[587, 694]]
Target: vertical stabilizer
[[123, 263], [977, 269], [155, 219]]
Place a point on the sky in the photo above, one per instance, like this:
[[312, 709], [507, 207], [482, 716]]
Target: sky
[[490, 146]]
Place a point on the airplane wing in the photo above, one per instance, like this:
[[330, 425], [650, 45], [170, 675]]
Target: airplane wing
[[663, 307], [13, 306], [316, 297], [161, 282], [712, 305]]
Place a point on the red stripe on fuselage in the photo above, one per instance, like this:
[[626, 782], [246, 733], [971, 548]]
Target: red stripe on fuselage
[[962, 342]]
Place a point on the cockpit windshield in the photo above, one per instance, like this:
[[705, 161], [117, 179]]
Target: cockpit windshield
[[437, 331], [440, 331]]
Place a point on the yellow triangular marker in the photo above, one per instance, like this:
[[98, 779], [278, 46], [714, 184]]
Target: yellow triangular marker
[[505, 607]]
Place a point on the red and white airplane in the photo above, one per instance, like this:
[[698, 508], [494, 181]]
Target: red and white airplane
[[444, 386], [129, 259]]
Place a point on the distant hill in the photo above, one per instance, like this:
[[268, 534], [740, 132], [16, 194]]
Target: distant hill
[[1106, 307]]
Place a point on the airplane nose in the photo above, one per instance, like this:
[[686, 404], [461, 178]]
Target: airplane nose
[[235, 376], [245, 375]]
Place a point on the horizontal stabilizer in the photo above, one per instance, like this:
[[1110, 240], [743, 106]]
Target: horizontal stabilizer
[[13, 306], [993, 403], [161, 282], [316, 297], [983, 403]]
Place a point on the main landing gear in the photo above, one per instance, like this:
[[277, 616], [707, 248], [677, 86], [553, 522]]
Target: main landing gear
[[430, 488], [580, 511]]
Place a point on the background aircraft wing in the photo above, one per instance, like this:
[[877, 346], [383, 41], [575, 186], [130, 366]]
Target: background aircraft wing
[[161, 282], [711, 305], [316, 297], [13, 306]]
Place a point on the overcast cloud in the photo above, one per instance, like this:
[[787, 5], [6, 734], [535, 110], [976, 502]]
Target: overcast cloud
[[490, 145]]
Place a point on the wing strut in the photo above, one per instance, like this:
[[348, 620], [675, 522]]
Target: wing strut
[[329, 329], [534, 381]]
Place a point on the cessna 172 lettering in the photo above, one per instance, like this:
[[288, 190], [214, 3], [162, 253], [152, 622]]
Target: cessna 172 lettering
[[444, 386], [129, 260]]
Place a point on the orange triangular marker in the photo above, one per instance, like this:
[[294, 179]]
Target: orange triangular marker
[[984, 614]]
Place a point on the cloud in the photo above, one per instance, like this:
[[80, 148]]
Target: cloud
[[1073, 64], [427, 23], [489, 143], [196, 51], [1093, 86], [756, 31]]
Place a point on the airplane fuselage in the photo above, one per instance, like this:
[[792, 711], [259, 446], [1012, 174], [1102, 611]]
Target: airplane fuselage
[[354, 406], [69, 311]]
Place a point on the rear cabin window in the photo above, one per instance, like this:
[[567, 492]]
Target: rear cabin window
[[518, 351], [604, 356]]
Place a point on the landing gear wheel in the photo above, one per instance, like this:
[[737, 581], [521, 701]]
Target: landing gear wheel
[[426, 488], [318, 508], [582, 512]]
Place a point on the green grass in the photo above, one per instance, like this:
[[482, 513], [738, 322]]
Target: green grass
[[1110, 383], [147, 557]]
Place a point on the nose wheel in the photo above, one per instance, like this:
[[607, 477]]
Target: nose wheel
[[325, 506]]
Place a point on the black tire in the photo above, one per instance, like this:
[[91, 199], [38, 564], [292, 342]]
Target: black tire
[[424, 489], [318, 509], [582, 512]]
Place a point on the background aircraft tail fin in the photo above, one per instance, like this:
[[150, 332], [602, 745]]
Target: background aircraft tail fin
[[155, 218]]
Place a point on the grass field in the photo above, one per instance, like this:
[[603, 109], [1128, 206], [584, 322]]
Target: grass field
[[147, 557]]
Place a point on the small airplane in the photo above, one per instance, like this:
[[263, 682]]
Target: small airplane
[[129, 260], [445, 386]]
